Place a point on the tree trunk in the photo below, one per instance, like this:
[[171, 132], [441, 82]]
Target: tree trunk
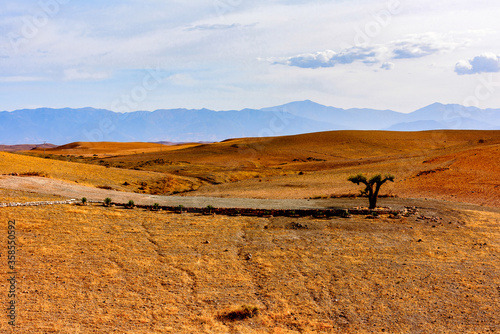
[[373, 202]]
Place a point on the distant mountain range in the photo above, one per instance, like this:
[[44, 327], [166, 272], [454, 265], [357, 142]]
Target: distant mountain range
[[60, 126]]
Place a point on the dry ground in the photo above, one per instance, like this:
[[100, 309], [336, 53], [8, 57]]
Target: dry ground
[[104, 149], [93, 269], [103, 177], [86, 269], [457, 166]]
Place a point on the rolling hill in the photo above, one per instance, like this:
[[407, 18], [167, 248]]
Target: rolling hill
[[456, 165]]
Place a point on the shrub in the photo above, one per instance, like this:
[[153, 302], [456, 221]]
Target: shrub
[[40, 174], [107, 201], [84, 200], [156, 206], [345, 214], [131, 204]]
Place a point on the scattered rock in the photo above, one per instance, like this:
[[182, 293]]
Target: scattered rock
[[297, 225]]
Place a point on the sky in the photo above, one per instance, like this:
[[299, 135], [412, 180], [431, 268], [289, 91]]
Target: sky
[[233, 54]]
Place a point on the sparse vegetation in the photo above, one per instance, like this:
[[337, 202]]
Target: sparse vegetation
[[192, 169], [161, 273], [345, 214], [372, 186], [39, 174], [320, 214], [105, 187]]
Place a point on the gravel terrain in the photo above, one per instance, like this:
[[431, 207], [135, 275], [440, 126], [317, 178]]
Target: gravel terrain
[[68, 190]]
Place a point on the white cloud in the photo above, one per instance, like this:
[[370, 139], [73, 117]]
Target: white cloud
[[329, 58], [218, 26], [78, 75], [487, 62], [412, 46], [13, 79], [417, 46], [184, 80]]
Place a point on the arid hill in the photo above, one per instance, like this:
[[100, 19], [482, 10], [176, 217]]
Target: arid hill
[[25, 147], [449, 165], [431, 267], [110, 148]]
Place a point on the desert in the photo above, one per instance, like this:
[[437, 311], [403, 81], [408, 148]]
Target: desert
[[426, 260]]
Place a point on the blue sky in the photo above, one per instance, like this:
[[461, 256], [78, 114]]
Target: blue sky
[[234, 54]]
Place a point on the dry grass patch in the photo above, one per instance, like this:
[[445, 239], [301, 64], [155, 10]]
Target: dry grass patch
[[108, 269], [87, 174], [7, 196]]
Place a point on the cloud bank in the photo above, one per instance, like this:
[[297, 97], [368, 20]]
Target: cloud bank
[[412, 46], [331, 58], [487, 62]]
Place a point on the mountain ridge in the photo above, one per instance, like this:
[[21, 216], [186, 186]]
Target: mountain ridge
[[64, 125]]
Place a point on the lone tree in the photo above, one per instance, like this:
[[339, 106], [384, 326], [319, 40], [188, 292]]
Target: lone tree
[[372, 185]]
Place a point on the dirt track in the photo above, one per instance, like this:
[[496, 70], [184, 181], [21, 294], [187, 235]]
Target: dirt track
[[68, 190]]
